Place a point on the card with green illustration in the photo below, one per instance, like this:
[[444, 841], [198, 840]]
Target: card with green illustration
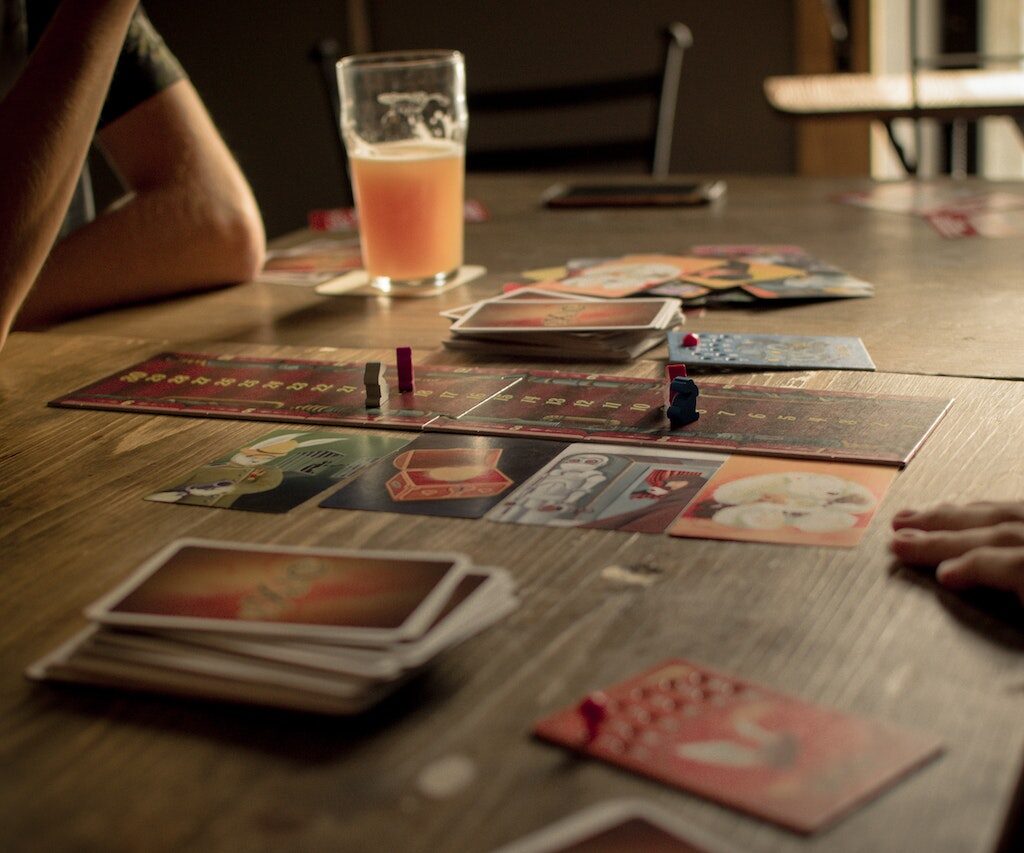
[[278, 471]]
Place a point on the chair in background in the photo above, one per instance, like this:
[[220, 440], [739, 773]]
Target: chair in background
[[653, 145]]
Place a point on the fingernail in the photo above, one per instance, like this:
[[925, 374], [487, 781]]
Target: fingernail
[[909, 533], [944, 569], [904, 513]]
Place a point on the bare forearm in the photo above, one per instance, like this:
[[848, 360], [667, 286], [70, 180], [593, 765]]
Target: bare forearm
[[191, 221], [46, 125], [156, 243]]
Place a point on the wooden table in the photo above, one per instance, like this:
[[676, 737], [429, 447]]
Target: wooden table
[[949, 307], [88, 769]]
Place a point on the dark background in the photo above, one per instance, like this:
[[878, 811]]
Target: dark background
[[249, 63]]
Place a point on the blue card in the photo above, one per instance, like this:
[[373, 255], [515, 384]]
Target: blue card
[[720, 351]]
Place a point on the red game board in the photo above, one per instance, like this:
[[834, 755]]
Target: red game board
[[792, 422]]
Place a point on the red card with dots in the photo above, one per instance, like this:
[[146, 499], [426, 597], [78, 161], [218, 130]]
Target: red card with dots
[[774, 756]]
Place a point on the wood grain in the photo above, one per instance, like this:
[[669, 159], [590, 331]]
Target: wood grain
[[948, 307], [97, 770]]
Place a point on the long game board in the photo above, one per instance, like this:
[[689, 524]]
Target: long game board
[[546, 404]]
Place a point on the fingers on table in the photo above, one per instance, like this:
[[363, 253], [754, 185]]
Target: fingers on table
[[1002, 568], [929, 548], [960, 516]]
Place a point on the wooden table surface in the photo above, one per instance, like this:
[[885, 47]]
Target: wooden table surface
[[88, 769], [949, 307]]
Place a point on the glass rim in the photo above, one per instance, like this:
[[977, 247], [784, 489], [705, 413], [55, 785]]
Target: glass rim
[[399, 59]]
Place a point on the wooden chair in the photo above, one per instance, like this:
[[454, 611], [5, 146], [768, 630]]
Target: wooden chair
[[652, 144]]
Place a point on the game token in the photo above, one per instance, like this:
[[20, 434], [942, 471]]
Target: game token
[[403, 358], [671, 372], [376, 385], [690, 339], [594, 710], [682, 408]]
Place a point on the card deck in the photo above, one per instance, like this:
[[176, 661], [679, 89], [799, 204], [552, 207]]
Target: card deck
[[313, 594], [800, 765], [617, 826], [769, 352], [458, 476], [533, 294], [151, 638], [278, 471], [546, 316]]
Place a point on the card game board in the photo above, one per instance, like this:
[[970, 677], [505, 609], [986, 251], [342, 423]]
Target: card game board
[[723, 351], [314, 629], [278, 471], [793, 422], [800, 765], [615, 826]]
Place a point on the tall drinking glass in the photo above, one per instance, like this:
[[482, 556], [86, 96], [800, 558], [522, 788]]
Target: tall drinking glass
[[404, 122]]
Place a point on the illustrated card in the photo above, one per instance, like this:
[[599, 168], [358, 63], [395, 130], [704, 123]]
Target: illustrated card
[[770, 352], [458, 476], [639, 490], [777, 757], [616, 826], [278, 471], [311, 263], [544, 315], [734, 272], [314, 594], [628, 275], [797, 502]]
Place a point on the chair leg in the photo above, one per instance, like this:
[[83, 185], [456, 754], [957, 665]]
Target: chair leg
[[679, 38], [910, 166]]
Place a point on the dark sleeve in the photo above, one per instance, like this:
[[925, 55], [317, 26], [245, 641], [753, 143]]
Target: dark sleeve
[[145, 67]]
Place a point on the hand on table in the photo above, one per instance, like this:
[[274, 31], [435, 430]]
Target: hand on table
[[977, 544]]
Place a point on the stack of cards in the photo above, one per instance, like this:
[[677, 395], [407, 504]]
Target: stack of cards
[[563, 326], [312, 629]]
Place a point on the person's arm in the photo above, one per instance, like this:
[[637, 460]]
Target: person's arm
[[47, 121], [189, 222], [977, 544]]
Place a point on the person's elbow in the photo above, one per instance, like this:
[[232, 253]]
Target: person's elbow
[[241, 241]]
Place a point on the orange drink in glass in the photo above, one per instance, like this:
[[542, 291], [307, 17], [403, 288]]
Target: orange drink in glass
[[404, 121], [410, 199]]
